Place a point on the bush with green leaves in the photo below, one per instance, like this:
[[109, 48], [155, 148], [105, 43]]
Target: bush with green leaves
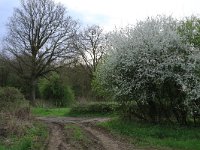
[[190, 28], [95, 108], [11, 100], [151, 71], [54, 90]]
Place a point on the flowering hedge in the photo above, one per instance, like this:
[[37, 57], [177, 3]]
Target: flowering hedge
[[151, 71]]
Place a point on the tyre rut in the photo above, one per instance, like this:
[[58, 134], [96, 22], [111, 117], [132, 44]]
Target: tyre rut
[[95, 139]]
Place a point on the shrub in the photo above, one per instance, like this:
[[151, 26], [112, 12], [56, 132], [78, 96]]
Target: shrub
[[99, 91], [152, 68], [14, 111], [95, 108], [55, 91], [11, 100]]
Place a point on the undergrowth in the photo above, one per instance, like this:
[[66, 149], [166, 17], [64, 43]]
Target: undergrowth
[[33, 138], [53, 112]]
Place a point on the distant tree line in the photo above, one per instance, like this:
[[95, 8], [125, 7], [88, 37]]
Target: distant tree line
[[42, 38]]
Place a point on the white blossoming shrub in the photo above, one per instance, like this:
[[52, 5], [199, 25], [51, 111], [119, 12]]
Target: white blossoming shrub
[[151, 71]]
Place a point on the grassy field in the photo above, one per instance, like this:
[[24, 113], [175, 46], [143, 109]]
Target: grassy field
[[33, 139], [141, 134]]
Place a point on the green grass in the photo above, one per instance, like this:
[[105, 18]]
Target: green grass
[[141, 134], [175, 137], [90, 109], [95, 109], [83, 114], [77, 132], [65, 112], [54, 112], [32, 140]]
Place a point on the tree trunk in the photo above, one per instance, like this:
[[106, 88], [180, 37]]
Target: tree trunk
[[33, 90]]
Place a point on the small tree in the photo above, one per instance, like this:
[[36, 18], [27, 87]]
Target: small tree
[[91, 46], [151, 71], [54, 90]]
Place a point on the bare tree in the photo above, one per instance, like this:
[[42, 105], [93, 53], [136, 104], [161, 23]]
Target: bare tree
[[91, 44], [39, 39]]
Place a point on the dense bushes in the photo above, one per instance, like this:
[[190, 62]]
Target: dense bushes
[[151, 71], [11, 100], [55, 91], [14, 112], [95, 108]]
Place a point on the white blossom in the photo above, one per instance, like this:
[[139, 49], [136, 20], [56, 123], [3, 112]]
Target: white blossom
[[149, 52]]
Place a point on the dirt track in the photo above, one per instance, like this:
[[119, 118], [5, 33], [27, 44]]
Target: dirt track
[[94, 138]]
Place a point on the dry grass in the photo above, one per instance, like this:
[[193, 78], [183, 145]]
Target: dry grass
[[20, 131], [15, 123]]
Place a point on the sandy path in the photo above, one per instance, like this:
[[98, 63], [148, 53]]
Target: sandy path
[[96, 139], [55, 141], [108, 142]]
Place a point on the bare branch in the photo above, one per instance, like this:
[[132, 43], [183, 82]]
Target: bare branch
[[91, 46], [39, 36]]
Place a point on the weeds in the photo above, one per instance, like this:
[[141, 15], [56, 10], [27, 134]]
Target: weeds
[[33, 138], [77, 132]]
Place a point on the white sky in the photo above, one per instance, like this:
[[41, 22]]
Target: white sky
[[111, 13]]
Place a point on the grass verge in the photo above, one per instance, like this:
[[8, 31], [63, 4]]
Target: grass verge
[[33, 139], [84, 114], [66, 112], [77, 134], [54, 112], [145, 135]]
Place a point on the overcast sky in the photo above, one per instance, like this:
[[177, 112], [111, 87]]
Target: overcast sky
[[111, 13]]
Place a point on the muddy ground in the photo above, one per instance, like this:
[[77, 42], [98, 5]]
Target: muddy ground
[[72, 133]]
